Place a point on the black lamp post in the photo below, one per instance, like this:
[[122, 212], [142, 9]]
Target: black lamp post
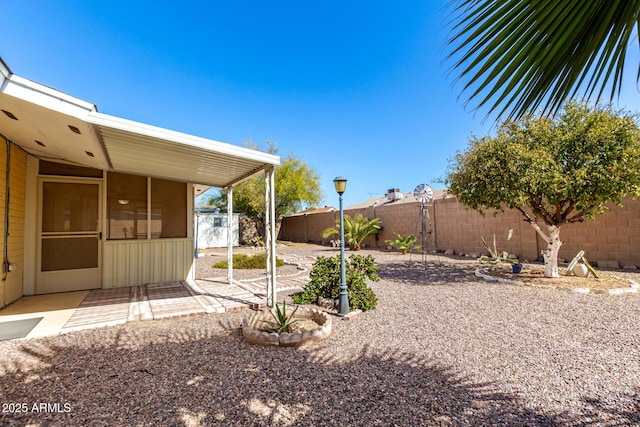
[[343, 303]]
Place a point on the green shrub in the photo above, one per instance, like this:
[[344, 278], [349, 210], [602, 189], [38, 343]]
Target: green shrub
[[243, 261], [325, 281]]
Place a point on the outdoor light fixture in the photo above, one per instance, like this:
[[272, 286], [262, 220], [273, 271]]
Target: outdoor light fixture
[[340, 184], [343, 303]]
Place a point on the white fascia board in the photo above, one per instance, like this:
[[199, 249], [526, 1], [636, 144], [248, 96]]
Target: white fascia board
[[113, 122], [5, 72], [47, 97]]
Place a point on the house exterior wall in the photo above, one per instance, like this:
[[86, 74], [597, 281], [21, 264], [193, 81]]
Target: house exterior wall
[[123, 262], [11, 287], [138, 262], [611, 240]]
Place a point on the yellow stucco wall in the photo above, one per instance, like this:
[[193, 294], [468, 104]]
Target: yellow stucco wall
[[11, 285]]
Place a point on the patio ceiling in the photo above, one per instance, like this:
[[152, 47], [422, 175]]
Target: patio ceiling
[[57, 127]]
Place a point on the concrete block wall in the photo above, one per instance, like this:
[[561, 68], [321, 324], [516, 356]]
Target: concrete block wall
[[462, 229], [610, 240], [307, 228]]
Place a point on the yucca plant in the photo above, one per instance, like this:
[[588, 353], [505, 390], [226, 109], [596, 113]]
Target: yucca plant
[[282, 320], [404, 243]]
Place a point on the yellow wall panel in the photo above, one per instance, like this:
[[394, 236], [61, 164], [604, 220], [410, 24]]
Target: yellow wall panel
[[138, 262], [11, 284]]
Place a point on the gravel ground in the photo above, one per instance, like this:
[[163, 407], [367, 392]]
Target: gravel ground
[[442, 348]]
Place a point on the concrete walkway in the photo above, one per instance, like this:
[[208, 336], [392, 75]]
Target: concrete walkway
[[108, 307]]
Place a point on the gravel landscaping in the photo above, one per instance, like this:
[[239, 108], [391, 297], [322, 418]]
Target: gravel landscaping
[[442, 348]]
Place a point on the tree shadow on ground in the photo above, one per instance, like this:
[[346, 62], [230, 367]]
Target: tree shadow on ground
[[431, 273], [175, 374]]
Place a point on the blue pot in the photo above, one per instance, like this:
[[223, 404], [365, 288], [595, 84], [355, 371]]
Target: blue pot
[[516, 268]]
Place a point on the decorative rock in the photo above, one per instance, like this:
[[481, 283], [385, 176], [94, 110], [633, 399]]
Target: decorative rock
[[450, 252], [579, 290], [633, 286], [326, 303], [580, 270]]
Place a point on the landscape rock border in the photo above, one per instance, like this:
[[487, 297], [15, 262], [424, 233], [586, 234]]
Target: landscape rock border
[[633, 286], [252, 332]]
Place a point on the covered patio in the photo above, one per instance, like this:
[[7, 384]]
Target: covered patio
[[107, 202]]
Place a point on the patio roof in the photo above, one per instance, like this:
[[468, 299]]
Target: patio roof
[[54, 126]]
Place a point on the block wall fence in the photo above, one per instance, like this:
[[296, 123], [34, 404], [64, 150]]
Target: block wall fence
[[611, 240]]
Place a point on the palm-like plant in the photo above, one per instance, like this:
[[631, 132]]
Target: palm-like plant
[[355, 230], [404, 243], [518, 56]]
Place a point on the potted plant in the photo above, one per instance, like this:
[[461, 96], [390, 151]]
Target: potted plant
[[516, 267]]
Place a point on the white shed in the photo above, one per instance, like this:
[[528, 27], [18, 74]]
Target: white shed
[[212, 231]]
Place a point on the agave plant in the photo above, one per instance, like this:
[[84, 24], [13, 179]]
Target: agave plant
[[282, 320], [494, 256]]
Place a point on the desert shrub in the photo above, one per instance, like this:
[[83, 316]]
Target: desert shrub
[[325, 281], [243, 261]]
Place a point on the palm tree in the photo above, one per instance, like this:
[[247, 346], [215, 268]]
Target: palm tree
[[355, 230], [518, 56]]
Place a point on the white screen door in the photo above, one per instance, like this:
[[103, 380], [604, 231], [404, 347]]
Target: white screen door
[[69, 236]]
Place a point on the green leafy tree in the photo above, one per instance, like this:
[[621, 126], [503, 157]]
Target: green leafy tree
[[296, 185], [517, 56], [355, 230], [553, 171]]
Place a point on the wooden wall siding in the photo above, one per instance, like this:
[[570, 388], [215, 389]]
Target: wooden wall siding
[[138, 262], [611, 238], [11, 289]]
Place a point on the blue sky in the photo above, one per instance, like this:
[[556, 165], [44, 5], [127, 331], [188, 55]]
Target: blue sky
[[355, 89]]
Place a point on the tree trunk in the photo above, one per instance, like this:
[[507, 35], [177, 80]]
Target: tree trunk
[[550, 254]]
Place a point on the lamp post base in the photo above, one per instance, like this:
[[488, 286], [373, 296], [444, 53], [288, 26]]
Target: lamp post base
[[343, 303]]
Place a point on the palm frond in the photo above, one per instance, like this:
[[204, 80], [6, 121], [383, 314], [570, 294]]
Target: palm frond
[[518, 56]]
